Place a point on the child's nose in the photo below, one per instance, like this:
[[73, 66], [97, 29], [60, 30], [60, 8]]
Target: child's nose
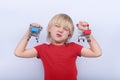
[[60, 29]]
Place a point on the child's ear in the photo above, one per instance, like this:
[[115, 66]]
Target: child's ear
[[70, 35], [49, 27]]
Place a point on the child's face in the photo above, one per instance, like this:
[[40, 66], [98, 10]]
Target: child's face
[[59, 34]]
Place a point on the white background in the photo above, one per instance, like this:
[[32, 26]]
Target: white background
[[102, 15]]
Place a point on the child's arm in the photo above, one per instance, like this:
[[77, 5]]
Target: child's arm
[[21, 50], [94, 50]]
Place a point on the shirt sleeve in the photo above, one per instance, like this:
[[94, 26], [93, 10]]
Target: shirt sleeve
[[77, 48], [38, 49]]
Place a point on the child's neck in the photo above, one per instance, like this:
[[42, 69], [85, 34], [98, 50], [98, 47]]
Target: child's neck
[[57, 43]]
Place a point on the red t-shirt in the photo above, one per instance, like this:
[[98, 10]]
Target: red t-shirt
[[59, 61]]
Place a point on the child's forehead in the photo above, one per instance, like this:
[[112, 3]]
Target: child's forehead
[[62, 22]]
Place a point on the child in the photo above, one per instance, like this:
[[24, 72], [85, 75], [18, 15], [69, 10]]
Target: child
[[59, 56]]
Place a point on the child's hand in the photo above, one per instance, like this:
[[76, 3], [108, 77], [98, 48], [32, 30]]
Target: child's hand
[[35, 25], [83, 25]]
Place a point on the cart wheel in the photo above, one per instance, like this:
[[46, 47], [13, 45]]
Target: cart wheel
[[83, 40]]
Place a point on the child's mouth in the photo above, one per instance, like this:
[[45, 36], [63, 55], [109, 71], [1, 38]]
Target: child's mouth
[[59, 35]]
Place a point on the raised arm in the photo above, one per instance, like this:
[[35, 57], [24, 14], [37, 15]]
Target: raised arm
[[94, 50], [21, 50]]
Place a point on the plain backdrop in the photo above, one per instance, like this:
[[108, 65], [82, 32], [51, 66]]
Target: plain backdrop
[[102, 15]]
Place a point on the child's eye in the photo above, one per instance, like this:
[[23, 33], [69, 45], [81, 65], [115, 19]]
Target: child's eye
[[57, 26], [66, 29]]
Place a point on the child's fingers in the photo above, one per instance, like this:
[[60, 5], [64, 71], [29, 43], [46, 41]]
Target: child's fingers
[[35, 24], [84, 24]]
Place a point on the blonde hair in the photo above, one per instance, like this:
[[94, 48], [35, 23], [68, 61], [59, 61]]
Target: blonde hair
[[62, 20]]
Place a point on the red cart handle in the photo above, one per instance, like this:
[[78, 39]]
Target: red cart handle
[[87, 32]]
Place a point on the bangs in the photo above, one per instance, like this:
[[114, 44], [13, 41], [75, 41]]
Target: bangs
[[62, 22]]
